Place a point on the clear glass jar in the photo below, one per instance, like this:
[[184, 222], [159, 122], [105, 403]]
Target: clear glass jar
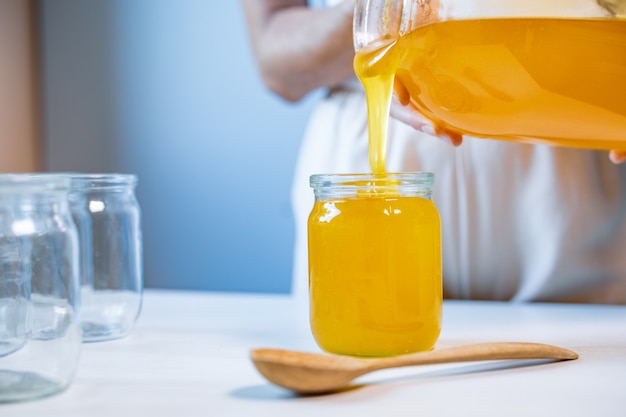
[[40, 334], [107, 215], [374, 264]]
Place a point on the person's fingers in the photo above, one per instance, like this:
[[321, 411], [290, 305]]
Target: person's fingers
[[617, 157], [402, 93], [410, 116], [455, 138]]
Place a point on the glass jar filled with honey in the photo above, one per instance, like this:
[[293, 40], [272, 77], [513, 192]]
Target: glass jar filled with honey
[[375, 280]]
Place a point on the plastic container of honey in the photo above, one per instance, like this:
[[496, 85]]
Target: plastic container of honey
[[532, 71]]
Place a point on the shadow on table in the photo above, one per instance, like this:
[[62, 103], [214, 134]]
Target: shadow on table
[[269, 392]]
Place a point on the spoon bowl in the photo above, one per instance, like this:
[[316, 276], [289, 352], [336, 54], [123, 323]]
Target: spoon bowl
[[313, 373]]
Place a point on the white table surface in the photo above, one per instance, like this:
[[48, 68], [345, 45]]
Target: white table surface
[[188, 356]]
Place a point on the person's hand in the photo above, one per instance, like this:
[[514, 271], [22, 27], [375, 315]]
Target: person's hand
[[617, 157], [403, 110]]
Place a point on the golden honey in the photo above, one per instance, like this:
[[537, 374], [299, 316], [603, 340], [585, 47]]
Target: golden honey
[[374, 264], [537, 80]]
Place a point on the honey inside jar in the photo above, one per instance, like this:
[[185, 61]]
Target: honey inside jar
[[374, 265]]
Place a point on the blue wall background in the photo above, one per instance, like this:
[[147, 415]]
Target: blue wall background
[[169, 90]]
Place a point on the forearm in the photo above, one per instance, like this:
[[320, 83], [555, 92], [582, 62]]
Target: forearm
[[299, 49]]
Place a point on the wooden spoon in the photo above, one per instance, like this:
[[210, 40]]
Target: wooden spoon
[[312, 373]]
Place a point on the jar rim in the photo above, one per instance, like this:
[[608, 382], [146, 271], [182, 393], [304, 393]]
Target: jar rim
[[103, 179], [32, 183], [407, 184], [419, 178]]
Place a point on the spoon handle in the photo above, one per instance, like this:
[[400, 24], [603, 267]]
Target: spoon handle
[[476, 352]]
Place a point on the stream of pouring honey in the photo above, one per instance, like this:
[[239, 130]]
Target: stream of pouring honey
[[539, 80]]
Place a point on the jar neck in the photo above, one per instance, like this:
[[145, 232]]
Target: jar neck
[[405, 184], [103, 182], [31, 190]]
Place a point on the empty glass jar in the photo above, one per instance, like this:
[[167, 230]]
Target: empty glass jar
[[107, 215], [40, 334]]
